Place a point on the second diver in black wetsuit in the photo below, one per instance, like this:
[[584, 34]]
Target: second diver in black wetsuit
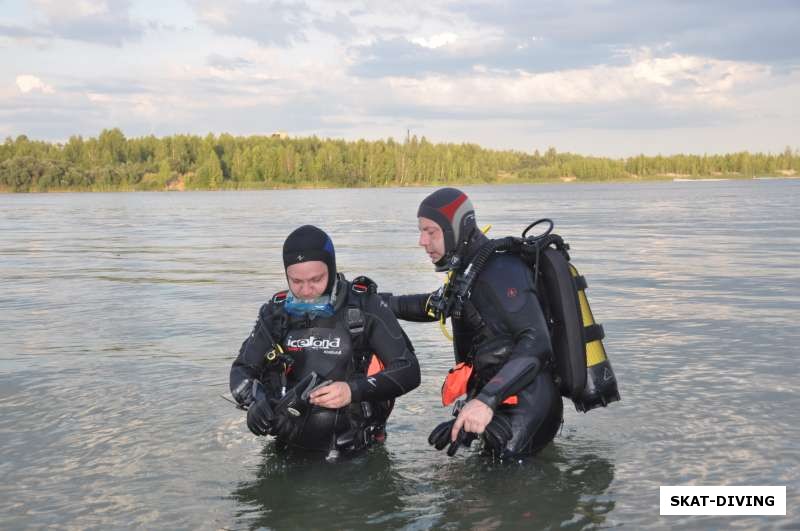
[[326, 359], [500, 337]]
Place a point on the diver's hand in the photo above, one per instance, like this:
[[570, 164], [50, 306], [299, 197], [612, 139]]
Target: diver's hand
[[260, 417], [284, 427], [498, 433], [332, 396], [473, 418], [440, 437], [248, 392]]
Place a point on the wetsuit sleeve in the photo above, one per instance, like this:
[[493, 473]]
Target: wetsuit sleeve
[[250, 362], [507, 300], [409, 307], [383, 335], [521, 369]]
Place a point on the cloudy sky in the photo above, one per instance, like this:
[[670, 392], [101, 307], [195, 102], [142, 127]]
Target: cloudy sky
[[602, 77]]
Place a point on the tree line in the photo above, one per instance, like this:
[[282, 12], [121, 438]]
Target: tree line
[[113, 162]]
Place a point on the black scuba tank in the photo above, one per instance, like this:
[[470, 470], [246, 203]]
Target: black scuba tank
[[584, 372], [559, 300]]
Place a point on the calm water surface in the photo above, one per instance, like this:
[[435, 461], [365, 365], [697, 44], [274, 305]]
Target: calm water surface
[[121, 313]]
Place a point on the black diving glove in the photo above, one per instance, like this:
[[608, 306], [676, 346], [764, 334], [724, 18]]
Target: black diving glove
[[260, 415], [293, 406], [284, 428], [497, 433], [247, 392], [295, 402], [440, 437], [358, 438]]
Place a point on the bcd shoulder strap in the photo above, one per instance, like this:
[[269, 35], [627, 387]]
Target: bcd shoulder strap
[[360, 289]]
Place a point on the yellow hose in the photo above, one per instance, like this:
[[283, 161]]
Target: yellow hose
[[443, 327]]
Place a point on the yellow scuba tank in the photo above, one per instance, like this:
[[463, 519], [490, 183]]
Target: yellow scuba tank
[[583, 371], [601, 383]]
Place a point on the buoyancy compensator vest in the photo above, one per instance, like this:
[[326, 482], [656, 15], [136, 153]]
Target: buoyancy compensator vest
[[334, 348], [583, 370], [363, 360]]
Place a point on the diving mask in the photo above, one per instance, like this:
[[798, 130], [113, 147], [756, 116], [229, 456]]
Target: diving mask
[[319, 307]]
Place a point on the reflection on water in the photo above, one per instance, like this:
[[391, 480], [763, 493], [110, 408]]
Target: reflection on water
[[554, 490], [547, 492], [351, 493], [121, 313]]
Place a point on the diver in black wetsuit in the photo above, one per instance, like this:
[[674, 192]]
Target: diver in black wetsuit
[[326, 359], [500, 335]]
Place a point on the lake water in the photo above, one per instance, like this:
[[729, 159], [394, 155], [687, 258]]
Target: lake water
[[121, 313]]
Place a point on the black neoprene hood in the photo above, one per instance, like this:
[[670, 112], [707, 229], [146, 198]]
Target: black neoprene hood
[[307, 244]]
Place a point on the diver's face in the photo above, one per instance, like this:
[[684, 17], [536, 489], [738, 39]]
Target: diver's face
[[307, 280], [431, 238]]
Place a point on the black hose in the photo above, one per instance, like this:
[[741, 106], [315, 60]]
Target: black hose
[[509, 243], [476, 266], [537, 222]]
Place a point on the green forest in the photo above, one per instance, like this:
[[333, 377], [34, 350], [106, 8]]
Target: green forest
[[113, 162]]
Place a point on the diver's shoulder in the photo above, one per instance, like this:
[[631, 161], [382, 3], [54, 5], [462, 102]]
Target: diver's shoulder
[[365, 290], [363, 285], [504, 263], [503, 272], [274, 302]]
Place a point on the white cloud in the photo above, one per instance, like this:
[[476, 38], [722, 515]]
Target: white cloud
[[71, 10], [97, 21], [436, 41], [95, 97], [213, 14], [28, 83], [267, 22], [676, 79]]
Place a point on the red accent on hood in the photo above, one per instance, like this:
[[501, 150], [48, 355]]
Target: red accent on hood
[[449, 210]]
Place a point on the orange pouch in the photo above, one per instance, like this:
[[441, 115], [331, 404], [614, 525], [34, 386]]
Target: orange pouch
[[455, 384], [375, 365]]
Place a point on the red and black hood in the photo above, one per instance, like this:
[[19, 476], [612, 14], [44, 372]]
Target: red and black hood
[[452, 210]]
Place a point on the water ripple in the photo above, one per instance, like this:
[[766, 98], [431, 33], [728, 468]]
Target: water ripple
[[120, 315]]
